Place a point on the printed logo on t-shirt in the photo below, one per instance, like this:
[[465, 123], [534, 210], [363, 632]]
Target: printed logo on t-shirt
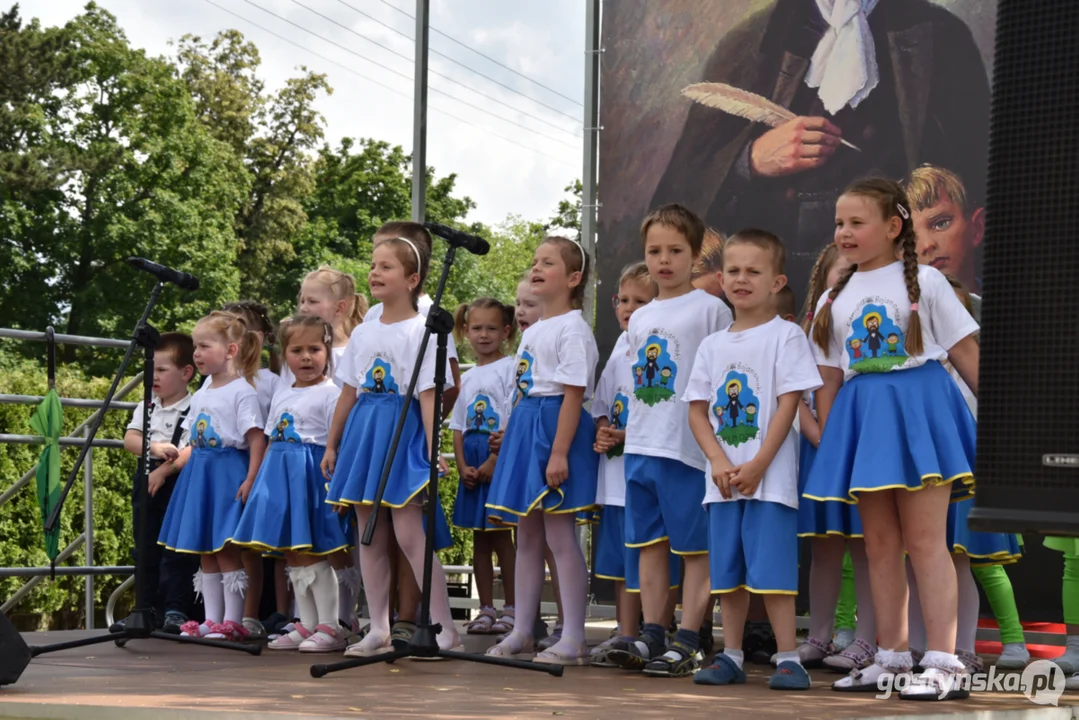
[[481, 415], [875, 343], [285, 429], [619, 420], [737, 407], [205, 435], [655, 371], [379, 378], [524, 376]]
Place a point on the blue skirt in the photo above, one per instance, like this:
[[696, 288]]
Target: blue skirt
[[203, 512], [470, 507], [907, 429], [822, 518], [983, 548], [365, 448], [287, 508], [520, 483]]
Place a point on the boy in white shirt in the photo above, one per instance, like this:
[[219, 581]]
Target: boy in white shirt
[[663, 464], [744, 392], [167, 575]]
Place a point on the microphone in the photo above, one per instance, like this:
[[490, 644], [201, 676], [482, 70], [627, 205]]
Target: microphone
[[165, 274], [457, 238]]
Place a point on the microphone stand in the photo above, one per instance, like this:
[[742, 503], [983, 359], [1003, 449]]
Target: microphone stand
[[423, 643], [140, 623]]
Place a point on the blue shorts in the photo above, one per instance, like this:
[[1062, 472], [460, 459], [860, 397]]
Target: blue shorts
[[753, 544], [663, 502], [615, 561]]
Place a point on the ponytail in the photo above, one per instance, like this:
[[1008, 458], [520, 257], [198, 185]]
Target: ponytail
[[818, 278], [913, 341], [356, 314], [822, 325], [460, 322], [249, 357], [509, 318]]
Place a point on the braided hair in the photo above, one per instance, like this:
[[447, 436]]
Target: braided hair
[[818, 282], [892, 202]]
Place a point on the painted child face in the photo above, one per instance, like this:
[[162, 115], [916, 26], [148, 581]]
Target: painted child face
[[387, 278], [528, 307], [306, 356], [669, 257], [316, 299], [749, 277], [212, 352], [550, 278], [170, 380], [946, 238], [633, 294], [485, 330], [862, 233]]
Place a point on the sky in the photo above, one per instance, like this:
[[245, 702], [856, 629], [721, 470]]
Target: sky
[[516, 165]]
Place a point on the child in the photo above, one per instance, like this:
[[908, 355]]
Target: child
[[947, 228], [877, 417], [547, 471], [287, 511], [166, 577], [708, 268], [663, 468], [834, 530], [752, 499], [978, 555], [786, 306], [488, 389], [267, 382], [375, 371], [218, 470], [610, 408]]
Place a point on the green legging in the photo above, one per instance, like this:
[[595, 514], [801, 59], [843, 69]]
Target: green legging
[[998, 590], [1070, 592], [847, 605]]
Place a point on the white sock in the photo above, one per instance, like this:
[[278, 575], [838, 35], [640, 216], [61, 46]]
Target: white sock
[[348, 587], [736, 655], [235, 589], [213, 597], [324, 590], [302, 580], [791, 656]]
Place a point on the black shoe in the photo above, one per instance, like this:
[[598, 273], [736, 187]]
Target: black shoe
[[707, 641], [173, 621], [632, 654], [759, 643], [679, 661]]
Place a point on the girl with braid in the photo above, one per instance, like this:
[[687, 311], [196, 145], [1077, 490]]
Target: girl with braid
[[897, 437]]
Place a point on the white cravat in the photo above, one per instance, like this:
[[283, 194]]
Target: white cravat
[[844, 65]]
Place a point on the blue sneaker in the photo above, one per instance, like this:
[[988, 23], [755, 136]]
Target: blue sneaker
[[721, 671], [789, 675]]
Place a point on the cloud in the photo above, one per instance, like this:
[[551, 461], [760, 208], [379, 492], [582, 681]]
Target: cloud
[[542, 40]]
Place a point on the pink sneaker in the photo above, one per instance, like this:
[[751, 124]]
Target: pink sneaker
[[228, 630], [192, 628], [291, 640]]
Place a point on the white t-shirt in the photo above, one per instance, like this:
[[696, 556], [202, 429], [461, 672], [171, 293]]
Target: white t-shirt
[[162, 420], [266, 384], [663, 339], [379, 358], [870, 317], [741, 376], [220, 417], [486, 395], [612, 402], [303, 414], [287, 378], [555, 352], [424, 305]]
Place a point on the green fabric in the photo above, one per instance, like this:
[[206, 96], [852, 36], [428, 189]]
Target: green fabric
[[1070, 593], [1066, 545], [847, 605], [998, 589], [47, 421]]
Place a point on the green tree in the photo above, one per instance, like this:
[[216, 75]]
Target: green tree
[[568, 214]]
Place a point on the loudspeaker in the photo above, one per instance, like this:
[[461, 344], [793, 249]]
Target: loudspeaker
[[14, 654], [1027, 474]]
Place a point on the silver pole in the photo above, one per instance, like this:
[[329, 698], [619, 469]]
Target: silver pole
[[419, 117], [88, 525], [591, 145]]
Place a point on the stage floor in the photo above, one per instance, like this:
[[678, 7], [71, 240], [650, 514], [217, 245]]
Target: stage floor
[[159, 680]]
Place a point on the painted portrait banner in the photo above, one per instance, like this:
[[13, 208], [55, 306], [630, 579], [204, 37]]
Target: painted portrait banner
[[756, 113]]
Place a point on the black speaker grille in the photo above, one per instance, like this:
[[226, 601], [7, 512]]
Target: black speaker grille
[[1029, 384]]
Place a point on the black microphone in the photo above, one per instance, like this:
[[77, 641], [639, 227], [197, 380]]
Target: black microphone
[[165, 274], [475, 245]]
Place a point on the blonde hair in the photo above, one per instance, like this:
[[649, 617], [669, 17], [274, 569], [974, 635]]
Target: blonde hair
[[638, 272], [233, 329], [576, 260], [258, 319], [711, 258], [818, 282], [892, 202], [680, 218], [342, 286], [928, 183], [763, 240]]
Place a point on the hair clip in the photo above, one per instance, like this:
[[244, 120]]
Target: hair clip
[[914, 307], [809, 315], [828, 301], [902, 211]]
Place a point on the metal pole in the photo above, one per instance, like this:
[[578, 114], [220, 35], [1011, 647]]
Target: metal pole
[[88, 530], [591, 145], [419, 117]]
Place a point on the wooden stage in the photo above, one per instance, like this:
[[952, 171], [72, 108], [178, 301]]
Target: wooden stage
[[157, 680]]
